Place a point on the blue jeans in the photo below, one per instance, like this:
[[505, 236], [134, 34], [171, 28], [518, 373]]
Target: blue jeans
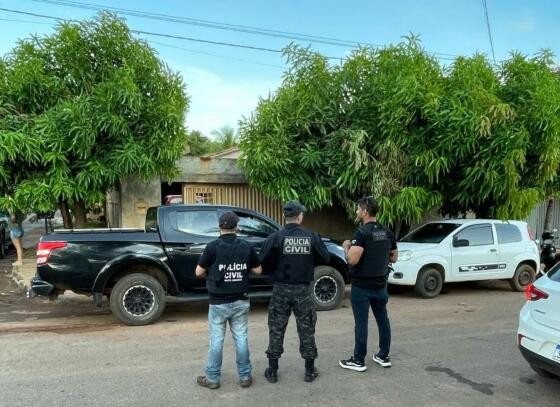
[[237, 313], [362, 299]]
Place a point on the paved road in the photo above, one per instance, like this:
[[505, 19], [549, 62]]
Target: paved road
[[456, 350]]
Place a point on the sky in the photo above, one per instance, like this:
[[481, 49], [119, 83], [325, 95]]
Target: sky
[[224, 83]]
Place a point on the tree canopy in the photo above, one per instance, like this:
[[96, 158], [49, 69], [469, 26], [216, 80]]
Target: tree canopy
[[394, 123], [82, 108]]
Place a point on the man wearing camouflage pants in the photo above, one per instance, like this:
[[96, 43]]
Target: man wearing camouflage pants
[[293, 252]]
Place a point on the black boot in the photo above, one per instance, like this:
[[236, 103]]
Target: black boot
[[311, 372], [271, 372]]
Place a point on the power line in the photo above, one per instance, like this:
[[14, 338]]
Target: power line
[[179, 37], [489, 31], [23, 21], [216, 55], [226, 26], [207, 23]]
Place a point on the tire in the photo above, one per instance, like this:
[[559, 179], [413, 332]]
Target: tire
[[523, 276], [137, 299], [428, 283], [327, 288], [543, 373]]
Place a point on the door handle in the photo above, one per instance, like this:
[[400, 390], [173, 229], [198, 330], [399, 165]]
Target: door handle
[[493, 250]]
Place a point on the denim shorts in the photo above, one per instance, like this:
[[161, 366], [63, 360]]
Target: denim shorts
[[16, 233]]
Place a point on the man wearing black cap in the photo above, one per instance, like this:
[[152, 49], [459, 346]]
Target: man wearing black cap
[[225, 263], [293, 252]]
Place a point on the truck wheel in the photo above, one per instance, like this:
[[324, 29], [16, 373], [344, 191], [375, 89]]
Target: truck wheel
[[524, 275], [328, 288], [429, 283], [137, 299]]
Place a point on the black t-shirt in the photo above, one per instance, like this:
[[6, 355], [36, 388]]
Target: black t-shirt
[[375, 260], [209, 257]]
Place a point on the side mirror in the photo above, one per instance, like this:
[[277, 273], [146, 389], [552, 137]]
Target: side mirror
[[460, 243]]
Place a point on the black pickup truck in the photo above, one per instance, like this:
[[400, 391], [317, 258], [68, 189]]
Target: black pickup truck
[[138, 270]]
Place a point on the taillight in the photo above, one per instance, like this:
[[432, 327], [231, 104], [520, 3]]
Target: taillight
[[44, 250], [532, 293], [532, 235], [519, 337]]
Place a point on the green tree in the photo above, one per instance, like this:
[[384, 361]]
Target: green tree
[[394, 123], [79, 110], [226, 137], [335, 133], [532, 87], [201, 145]]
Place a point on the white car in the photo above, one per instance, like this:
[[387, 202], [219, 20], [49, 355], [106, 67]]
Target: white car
[[466, 250], [538, 335]]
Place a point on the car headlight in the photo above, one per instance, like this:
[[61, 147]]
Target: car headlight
[[405, 255]]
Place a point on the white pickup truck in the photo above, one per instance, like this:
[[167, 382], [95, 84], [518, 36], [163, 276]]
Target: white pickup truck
[[466, 250]]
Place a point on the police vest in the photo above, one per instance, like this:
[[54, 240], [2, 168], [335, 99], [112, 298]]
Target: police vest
[[229, 274], [294, 256], [377, 249]]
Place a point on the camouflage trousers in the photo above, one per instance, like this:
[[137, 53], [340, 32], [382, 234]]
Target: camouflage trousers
[[285, 299]]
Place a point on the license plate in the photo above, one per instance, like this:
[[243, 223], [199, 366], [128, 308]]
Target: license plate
[[556, 355]]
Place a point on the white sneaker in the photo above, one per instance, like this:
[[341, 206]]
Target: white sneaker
[[385, 362]]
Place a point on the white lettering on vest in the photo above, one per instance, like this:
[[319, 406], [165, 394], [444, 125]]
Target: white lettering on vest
[[297, 245], [233, 271]]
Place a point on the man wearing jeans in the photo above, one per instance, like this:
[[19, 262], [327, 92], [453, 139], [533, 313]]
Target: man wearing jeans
[[372, 248], [225, 263]]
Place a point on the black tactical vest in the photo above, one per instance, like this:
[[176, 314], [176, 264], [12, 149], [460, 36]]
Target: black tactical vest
[[229, 274], [377, 249], [294, 256]]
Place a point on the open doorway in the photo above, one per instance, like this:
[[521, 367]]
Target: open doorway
[[175, 188]]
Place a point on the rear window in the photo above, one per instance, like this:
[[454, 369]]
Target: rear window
[[431, 233], [507, 233]]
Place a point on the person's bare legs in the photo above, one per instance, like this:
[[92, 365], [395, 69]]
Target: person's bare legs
[[19, 252]]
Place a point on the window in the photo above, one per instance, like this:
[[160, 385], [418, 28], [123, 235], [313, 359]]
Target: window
[[477, 235], [554, 273], [507, 233], [251, 226], [431, 233], [151, 220], [196, 222], [203, 198]]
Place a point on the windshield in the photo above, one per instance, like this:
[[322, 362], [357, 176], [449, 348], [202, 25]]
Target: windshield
[[430, 233]]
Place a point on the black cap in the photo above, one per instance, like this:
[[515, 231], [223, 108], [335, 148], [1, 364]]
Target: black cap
[[228, 220], [293, 209]]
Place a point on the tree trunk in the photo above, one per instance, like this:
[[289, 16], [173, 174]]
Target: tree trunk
[[398, 225], [66, 217], [80, 212], [548, 215], [106, 218]]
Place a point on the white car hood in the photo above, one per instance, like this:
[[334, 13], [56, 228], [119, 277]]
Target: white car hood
[[415, 246]]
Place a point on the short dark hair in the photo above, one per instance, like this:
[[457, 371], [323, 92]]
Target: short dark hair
[[369, 204]]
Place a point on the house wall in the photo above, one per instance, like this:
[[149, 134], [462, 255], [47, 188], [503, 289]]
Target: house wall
[[330, 222], [136, 197]]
